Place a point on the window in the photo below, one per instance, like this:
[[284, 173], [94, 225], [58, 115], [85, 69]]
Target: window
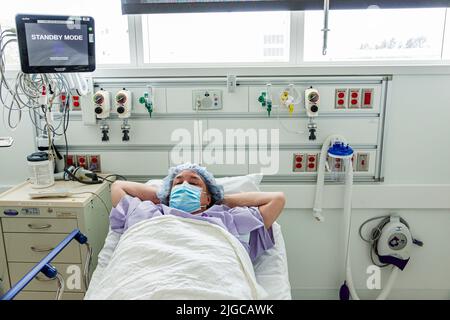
[[376, 34], [112, 44], [216, 37]]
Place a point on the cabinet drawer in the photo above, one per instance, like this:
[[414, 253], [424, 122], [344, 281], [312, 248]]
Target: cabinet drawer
[[42, 283], [39, 225], [36, 295], [32, 247]]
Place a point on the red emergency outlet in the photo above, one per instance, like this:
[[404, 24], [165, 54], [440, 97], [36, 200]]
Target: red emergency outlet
[[69, 161], [299, 162], [367, 97]]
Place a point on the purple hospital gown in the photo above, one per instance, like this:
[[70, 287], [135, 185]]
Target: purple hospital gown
[[245, 223]]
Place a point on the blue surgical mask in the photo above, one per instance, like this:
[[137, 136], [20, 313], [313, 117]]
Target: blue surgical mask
[[185, 197]]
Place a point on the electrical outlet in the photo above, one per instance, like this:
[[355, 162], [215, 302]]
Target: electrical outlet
[[335, 164], [76, 106], [299, 162], [81, 161], [69, 160], [354, 98], [311, 160], [340, 101], [94, 163], [362, 162]]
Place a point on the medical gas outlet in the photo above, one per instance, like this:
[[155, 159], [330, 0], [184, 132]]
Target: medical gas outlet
[[123, 103], [123, 108], [146, 100], [312, 99], [265, 102], [102, 104]]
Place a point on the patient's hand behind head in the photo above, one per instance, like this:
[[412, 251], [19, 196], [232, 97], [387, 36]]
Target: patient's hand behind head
[[189, 193]]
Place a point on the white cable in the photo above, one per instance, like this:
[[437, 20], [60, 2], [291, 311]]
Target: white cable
[[87, 266]]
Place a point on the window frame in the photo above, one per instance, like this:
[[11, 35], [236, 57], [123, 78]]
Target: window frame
[[296, 52], [293, 37]]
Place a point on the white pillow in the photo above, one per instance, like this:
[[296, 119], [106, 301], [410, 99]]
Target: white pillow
[[230, 185]]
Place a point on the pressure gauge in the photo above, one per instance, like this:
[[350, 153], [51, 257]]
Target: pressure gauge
[[121, 98], [98, 98], [313, 97]]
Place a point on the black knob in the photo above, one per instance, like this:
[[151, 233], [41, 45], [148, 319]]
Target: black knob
[[312, 135], [120, 110], [125, 137], [98, 110], [314, 108], [105, 135]]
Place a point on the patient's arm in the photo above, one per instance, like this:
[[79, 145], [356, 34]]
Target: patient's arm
[[134, 189], [270, 203]]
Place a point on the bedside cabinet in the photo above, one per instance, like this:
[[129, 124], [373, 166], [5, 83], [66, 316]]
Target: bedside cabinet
[[31, 228]]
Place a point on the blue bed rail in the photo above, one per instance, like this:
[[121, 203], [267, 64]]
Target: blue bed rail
[[44, 265]]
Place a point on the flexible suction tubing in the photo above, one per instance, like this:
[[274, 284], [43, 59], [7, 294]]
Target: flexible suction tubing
[[348, 195], [317, 209]]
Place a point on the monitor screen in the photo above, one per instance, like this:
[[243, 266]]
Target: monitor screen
[[50, 44]]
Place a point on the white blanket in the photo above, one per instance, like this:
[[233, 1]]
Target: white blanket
[[170, 257]]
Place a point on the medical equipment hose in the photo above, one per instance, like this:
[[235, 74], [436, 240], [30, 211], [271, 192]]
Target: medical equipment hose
[[317, 209], [347, 220]]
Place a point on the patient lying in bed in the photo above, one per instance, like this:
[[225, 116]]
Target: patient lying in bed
[[192, 229]]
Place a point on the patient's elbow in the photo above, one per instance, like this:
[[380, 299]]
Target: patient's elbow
[[280, 198]]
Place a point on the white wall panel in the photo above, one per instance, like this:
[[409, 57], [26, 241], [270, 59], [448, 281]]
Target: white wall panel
[[358, 131], [137, 163], [143, 132], [417, 148]]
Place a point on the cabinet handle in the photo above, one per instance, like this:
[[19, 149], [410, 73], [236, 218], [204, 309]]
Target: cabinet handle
[[39, 226], [41, 249], [44, 279]]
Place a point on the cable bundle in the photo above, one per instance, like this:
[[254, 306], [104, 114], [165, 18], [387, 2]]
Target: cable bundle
[[39, 94]]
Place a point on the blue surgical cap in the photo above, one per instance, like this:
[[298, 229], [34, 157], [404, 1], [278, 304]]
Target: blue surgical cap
[[214, 189]]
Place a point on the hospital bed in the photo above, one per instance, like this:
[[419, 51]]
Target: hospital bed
[[271, 270]]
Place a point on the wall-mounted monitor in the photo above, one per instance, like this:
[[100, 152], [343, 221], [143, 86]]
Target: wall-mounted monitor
[[52, 44]]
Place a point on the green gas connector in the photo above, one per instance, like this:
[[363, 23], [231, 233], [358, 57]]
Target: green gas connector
[[265, 103], [147, 103], [262, 99]]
